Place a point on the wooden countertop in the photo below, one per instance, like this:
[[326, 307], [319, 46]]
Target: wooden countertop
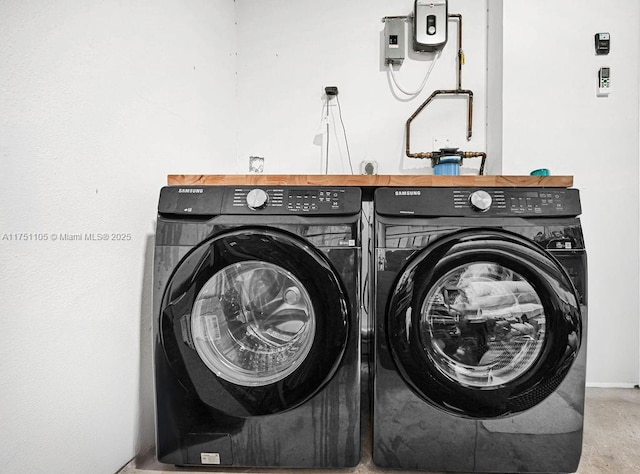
[[368, 181]]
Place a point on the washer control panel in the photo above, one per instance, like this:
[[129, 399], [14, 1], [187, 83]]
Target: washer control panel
[[511, 201], [292, 200], [441, 202], [308, 200], [282, 200], [538, 202]]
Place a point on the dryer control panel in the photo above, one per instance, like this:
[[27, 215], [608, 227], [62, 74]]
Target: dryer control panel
[[292, 200], [477, 202], [276, 200]]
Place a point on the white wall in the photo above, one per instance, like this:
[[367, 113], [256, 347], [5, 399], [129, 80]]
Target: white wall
[[285, 60], [100, 101], [289, 51], [495, 42], [552, 118]]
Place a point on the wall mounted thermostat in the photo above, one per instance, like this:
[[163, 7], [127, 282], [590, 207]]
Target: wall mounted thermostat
[[603, 43], [604, 81], [430, 20]]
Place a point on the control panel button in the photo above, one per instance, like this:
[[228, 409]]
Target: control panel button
[[257, 199], [480, 201]]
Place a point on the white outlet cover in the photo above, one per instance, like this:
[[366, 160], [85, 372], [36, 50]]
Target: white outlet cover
[[441, 142]]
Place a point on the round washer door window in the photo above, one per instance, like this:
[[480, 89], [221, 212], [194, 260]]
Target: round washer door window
[[253, 323], [483, 323]]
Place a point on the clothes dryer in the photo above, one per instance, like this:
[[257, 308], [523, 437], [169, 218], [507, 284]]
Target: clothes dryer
[[481, 311], [256, 326]]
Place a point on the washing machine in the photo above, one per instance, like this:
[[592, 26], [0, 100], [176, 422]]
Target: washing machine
[[256, 326], [480, 324]]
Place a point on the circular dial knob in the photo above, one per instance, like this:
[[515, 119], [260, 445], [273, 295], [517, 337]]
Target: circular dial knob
[[257, 199], [480, 201]]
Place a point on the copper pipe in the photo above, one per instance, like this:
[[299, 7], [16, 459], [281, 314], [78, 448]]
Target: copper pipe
[[458, 17], [472, 154], [424, 104], [470, 116], [434, 156]]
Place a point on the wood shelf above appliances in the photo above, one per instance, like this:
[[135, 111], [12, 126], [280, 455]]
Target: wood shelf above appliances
[[368, 181]]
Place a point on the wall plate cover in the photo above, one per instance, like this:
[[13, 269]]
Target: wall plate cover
[[368, 167], [256, 164]]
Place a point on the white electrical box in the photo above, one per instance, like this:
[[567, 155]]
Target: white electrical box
[[430, 25]]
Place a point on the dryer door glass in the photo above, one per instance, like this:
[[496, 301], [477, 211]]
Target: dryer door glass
[[482, 325], [253, 323]]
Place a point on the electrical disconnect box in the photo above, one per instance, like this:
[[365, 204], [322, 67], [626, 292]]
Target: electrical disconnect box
[[430, 20], [394, 37]]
